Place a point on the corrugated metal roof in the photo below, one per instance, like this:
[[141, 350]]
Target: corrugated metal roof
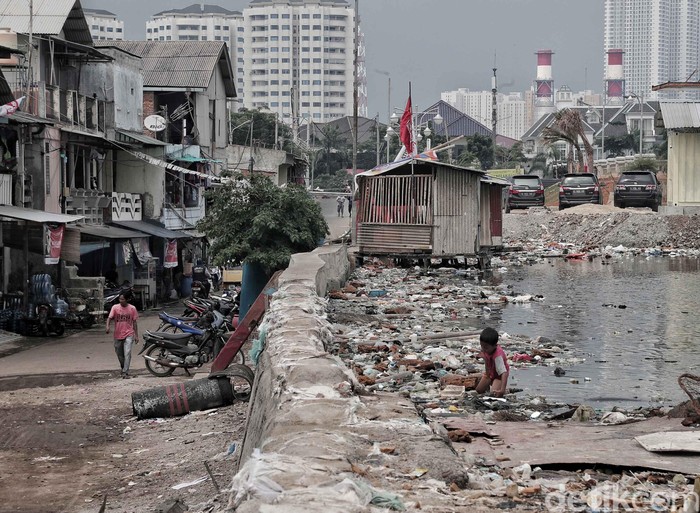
[[180, 64], [50, 17], [36, 216], [680, 115]]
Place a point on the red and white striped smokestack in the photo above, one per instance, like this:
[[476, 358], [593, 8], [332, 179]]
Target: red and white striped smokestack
[[615, 76], [544, 64]]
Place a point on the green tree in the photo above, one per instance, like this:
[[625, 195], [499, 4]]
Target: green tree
[[263, 124], [617, 145], [481, 147], [251, 220], [510, 157], [334, 152]]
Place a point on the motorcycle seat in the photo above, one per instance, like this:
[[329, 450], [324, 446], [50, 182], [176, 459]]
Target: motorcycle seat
[[175, 337], [181, 318]]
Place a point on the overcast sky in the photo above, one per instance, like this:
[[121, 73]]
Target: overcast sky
[[441, 45]]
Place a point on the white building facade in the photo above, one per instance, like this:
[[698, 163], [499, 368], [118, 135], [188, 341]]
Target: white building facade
[[660, 40], [104, 25], [299, 59], [511, 109]]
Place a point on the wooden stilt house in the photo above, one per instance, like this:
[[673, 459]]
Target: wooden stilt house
[[428, 209]]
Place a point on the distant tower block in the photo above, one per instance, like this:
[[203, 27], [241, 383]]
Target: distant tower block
[[615, 78], [544, 85]]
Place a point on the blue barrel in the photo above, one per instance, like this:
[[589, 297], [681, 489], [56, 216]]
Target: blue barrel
[[186, 286], [253, 282]]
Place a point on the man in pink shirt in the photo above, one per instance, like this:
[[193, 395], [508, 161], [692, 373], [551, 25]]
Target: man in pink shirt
[[497, 368], [126, 331]]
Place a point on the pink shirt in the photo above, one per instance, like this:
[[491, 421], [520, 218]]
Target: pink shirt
[[124, 318], [496, 363]]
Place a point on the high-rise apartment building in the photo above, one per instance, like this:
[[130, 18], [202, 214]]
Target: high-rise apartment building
[[202, 22], [660, 40], [295, 58], [104, 25], [510, 109], [299, 59]]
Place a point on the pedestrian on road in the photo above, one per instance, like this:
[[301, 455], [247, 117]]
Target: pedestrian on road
[[350, 207], [341, 204], [126, 331], [497, 369]]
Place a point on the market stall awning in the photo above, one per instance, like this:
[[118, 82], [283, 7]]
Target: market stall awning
[[152, 229], [36, 216], [104, 231]]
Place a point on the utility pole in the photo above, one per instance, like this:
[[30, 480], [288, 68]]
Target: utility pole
[[30, 50], [355, 86], [494, 113], [376, 129]]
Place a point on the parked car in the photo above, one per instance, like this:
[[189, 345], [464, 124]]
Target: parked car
[[638, 189], [525, 191], [579, 188]]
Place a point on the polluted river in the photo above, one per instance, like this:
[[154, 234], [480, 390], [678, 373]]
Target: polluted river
[[631, 320], [610, 330]]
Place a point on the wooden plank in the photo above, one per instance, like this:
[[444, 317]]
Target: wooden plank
[[675, 441], [245, 327]]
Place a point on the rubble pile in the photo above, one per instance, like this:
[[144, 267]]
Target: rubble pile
[[593, 226], [415, 332]]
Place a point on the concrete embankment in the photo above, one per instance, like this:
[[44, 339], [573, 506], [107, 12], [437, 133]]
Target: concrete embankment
[[314, 441]]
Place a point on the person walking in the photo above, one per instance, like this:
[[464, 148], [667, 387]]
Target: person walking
[[341, 204], [126, 331], [350, 206]]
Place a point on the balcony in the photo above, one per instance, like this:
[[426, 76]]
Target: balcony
[[68, 107], [87, 202], [126, 206]]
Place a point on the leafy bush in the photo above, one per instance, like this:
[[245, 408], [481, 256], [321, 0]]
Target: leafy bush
[[252, 220], [643, 163]]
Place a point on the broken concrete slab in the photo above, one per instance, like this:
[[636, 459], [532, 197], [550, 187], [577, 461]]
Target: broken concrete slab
[[550, 444], [675, 441]]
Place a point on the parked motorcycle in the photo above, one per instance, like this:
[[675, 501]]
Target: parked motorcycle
[[112, 292], [166, 352], [75, 316], [48, 320]]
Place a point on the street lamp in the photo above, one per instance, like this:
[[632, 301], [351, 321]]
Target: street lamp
[[418, 120], [640, 99]]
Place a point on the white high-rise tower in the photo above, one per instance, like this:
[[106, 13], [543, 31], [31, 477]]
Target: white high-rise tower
[[299, 59], [660, 40]]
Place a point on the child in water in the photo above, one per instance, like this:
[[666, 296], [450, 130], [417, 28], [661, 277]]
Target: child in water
[[495, 378]]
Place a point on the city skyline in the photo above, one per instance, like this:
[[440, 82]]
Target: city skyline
[[455, 48]]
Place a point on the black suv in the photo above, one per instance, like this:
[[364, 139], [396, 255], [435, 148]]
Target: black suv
[[638, 189], [525, 191], [577, 189]]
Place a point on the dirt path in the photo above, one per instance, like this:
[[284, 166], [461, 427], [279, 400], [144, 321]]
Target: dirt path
[[64, 447]]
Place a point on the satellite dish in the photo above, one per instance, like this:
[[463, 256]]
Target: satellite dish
[[154, 123]]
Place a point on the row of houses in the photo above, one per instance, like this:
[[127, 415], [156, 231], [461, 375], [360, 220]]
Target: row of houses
[[83, 185]]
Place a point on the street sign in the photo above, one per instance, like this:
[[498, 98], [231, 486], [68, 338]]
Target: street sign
[[154, 123]]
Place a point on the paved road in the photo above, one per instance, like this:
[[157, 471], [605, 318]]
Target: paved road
[[86, 351]]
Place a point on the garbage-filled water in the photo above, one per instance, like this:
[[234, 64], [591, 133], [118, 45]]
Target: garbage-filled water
[[633, 319]]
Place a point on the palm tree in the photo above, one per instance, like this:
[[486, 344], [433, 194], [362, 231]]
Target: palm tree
[[568, 127]]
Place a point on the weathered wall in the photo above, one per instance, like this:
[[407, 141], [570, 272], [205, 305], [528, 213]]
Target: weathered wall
[[307, 427], [138, 176], [120, 83]]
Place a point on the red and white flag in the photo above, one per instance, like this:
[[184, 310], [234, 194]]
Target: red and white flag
[[9, 108], [406, 131]]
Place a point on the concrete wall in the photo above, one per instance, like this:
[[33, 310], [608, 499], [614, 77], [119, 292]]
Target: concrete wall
[[216, 92], [272, 163], [309, 423], [120, 83], [137, 176]]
